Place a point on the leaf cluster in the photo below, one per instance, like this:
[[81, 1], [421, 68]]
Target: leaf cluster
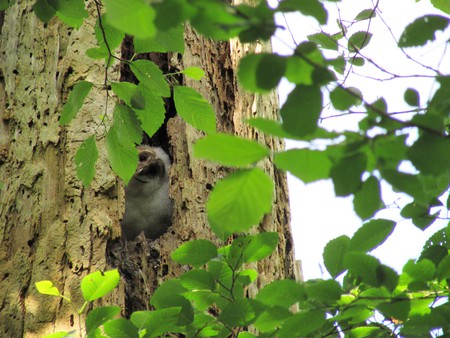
[[211, 298]]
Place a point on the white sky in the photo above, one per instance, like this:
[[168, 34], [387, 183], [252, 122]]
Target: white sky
[[317, 215]]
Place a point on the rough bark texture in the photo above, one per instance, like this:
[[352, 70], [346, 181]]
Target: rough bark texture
[[51, 227]]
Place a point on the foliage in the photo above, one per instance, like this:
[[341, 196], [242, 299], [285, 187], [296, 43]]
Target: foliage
[[210, 300]]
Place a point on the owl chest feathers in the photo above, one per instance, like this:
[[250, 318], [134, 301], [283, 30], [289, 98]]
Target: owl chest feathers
[[148, 206]]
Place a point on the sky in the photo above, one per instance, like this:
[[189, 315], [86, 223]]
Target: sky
[[317, 215]]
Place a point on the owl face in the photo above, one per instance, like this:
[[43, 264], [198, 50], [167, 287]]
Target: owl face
[[149, 166]]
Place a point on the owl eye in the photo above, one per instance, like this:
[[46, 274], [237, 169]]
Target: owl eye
[[142, 158]]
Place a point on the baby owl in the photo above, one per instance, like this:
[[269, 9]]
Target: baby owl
[[148, 207]]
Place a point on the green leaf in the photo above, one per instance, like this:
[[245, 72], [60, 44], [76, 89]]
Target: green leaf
[[134, 17], [46, 287], [168, 294], [195, 73], [171, 294], [333, 255], [85, 160], [122, 153], [430, 120], [339, 64], [406, 183], [434, 253], [259, 22], [97, 317], [371, 235], [427, 323], [305, 65], [260, 73], [114, 38], [237, 313], [246, 277], [366, 331], [158, 322], [126, 125], [308, 165], [128, 92], [324, 40], [422, 30], [439, 104], [399, 308], [364, 266], [163, 41], [194, 109], [125, 91], [198, 280], [443, 5], [97, 284], [259, 246], [368, 200], [43, 10], [354, 314], [150, 76], [202, 299], [423, 270], [344, 98], [412, 97], [358, 62], [413, 210], [299, 71], [153, 115], [230, 150], [424, 222], [120, 327], [214, 19], [70, 12], [390, 150], [370, 270], [171, 13], [282, 293], [75, 101], [326, 291], [366, 14], [271, 319], [303, 324], [301, 110], [270, 127], [62, 334], [358, 41], [196, 253], [313, 8], [346, 174], [5, 4], [252, 248], [239, 201], [430, 154], [443, 269], [123, 157], [149, 107]]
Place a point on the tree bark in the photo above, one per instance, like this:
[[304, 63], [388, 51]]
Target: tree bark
[[51, 227]]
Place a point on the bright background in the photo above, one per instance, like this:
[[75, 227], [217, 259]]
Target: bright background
[[317, 215]]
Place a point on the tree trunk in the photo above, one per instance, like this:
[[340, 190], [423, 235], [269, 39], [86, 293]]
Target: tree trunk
[[51, 227]]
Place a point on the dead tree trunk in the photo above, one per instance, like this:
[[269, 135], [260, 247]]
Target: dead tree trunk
[[51, 227]]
